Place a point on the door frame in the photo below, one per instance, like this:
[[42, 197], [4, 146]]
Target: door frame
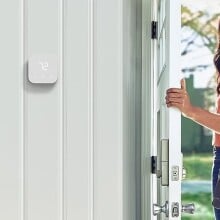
[[147, 112]]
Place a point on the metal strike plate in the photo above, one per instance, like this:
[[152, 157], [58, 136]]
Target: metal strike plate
[[43, 69], [175, 173], [165, 162]]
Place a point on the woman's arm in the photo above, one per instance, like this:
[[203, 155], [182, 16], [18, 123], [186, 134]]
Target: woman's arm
[[179, 98], [205, 118]]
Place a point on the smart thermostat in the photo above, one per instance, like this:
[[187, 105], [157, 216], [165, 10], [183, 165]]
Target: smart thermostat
[[43, 69]]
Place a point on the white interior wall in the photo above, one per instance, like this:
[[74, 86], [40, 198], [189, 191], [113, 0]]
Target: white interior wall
[[10, 110], [70, 150]]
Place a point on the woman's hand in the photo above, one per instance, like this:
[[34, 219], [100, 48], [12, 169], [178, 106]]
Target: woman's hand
[[179, 98]]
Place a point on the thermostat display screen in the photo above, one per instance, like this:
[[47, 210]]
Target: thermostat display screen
[[43, 68]]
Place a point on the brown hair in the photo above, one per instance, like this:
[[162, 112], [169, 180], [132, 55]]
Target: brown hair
[[217, 60]]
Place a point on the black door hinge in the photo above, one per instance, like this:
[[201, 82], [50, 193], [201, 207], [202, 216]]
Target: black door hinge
[[153, 164], [154, 29]]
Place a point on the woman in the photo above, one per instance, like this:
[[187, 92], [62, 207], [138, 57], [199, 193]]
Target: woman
[[179, 98]]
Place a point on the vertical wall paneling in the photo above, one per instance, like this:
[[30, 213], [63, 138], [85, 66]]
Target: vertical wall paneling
[[91, 110], [43, 115], [10, 108], [62, 118], [78, 68], [67, 150], [108, 102]]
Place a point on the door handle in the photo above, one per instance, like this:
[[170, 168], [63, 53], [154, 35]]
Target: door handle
[[188, 208], [157, 209]]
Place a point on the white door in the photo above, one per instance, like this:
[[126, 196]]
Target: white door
[[164, 125], [167, 140], [167, 121], [65, 150]]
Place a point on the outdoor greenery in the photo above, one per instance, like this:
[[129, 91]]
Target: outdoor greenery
[[199, 168], [200, 30], [199, 25], [203, 206]]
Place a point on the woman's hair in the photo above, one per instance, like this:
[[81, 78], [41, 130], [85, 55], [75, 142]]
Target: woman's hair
[[217, 60]]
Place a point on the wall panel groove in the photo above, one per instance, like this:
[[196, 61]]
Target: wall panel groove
[[10, 117], [108, 110], [43, 111], [79, 107], [22, 112], [91, 108], [62, 112]]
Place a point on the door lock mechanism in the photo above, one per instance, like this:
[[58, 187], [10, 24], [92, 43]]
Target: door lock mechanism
[[157, 209]]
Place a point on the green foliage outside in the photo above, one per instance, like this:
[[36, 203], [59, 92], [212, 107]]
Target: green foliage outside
[[200, 25], [198, 167], [202, 202]]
